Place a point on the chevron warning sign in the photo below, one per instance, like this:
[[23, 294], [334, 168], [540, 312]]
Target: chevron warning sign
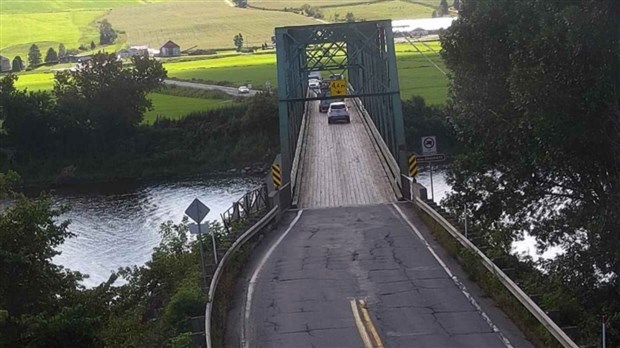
[[413, 166], [276, 176]]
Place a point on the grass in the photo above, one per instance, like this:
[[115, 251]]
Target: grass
[[48, 23], [206, 24], [395, 9], [239, 70], [169, 106], [35, 81], [18, 31], [174, 107], [417, 76], [281, 4], [30, 6]]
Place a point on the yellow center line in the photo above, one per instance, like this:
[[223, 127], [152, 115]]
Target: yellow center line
[[364, 324], [360, 324], [369, 325]]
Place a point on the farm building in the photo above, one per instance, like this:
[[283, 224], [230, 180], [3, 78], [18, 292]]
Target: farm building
[[170, 49], [5, 64], [68, 59], [133, 51]]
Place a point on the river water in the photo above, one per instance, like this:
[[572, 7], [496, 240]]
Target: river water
[[526, 246], [118, 225]]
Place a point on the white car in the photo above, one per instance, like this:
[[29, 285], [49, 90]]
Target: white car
[[314, 84], [338, 112], [244, 90]]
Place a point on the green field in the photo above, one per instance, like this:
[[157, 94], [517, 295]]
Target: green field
[[239, 70], [280, 4], [416, 74], [324, 4], [382, 10], [51, 22], [173, 107], [206, 24]]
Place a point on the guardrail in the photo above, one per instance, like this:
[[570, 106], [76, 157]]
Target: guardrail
[[389, 163], [300, 153], [249, 205], [257, 227], [525, 300]]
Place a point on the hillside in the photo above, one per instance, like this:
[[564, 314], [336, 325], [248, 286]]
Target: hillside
[[205, 24]]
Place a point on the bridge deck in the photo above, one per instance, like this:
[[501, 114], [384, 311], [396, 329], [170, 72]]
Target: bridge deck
[[340, 166]]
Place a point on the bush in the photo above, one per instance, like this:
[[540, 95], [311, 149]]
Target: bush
[[186, 302]]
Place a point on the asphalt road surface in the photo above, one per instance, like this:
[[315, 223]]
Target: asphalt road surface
[[360, 277], [230, 90]]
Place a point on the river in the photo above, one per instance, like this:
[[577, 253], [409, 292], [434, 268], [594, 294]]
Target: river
[[117, 225]]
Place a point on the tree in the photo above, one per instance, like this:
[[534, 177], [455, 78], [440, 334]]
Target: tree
[[62, 50], [26, 116], [34, 56], [107, 35], [349, 17], [105, 97], [51, 56], [534, 95], [18, 64], [92, 45], [443, 8], [238, 41], [29, 237]]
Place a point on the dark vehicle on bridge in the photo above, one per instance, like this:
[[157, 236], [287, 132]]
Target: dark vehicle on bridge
[[324, 85], [338, 112], [324, 103]]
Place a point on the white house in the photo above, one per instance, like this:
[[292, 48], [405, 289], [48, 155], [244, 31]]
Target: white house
[[133, 51]]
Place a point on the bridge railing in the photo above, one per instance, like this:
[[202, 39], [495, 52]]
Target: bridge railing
[[300, 152], [419, 200], [244, 221], [250, 205], [389, 163]]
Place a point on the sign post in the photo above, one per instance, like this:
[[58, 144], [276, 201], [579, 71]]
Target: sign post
[[197, 212], [429, 148]]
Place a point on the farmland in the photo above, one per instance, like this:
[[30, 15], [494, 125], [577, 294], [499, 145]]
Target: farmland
[[174, 107], [206, 24], [51, 22], [416, 74], [280, 5], [381, 10], [324, 4]]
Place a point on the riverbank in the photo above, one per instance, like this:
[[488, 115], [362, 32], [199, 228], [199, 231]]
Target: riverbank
[[238, 139]]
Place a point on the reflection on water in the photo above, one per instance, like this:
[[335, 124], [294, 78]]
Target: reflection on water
[[118, 225], [441, 189]]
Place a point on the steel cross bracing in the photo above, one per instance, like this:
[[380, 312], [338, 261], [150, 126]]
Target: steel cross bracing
[[364, 53]]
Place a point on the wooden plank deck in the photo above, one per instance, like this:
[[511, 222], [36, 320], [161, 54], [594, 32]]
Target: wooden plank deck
[[341, 167]]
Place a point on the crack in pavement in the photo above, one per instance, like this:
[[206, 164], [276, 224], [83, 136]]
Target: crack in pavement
[[308, 330]]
